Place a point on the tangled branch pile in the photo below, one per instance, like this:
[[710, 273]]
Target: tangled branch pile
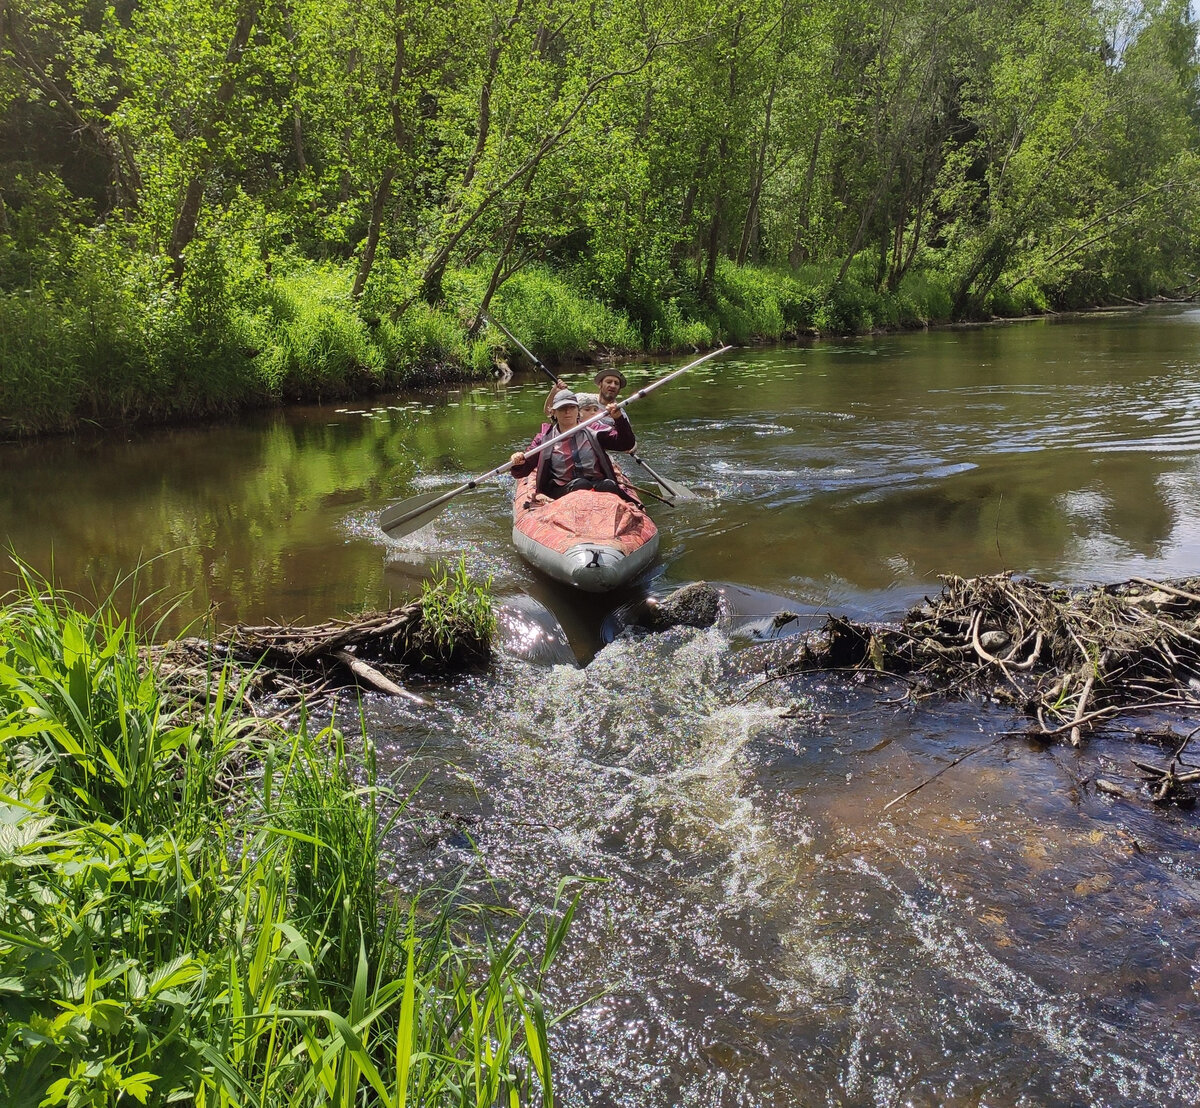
[[300, 662], [1070, 658]]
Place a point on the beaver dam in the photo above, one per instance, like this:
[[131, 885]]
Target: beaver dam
[[1072, 659], [280, 664]]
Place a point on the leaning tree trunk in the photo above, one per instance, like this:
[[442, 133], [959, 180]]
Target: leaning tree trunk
[[368, 255], [184, 230]]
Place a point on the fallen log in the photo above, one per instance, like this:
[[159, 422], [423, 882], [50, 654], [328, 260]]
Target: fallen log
[[371, 676], [289, 662]]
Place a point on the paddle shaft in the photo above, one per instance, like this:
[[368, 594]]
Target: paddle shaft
[[523, 348], [667, 485], [430, 507]]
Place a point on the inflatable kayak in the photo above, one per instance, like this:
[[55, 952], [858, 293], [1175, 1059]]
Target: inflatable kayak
[[596, 541]]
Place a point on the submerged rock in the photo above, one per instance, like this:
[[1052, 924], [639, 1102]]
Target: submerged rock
[[694, 605]]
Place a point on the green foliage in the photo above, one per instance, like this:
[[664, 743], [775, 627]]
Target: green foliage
[[1023, 299], [427, 343], [162, 943], [551, 316], [204, 207], [314, 341], [457, 617], [102, 720]]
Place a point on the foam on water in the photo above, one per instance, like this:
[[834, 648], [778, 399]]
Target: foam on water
[[768, 944]]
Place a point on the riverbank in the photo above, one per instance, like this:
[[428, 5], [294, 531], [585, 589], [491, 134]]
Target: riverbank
[[194, 906], [136, 349]]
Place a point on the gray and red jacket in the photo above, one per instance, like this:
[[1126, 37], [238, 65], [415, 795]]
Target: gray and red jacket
[[603, 439]]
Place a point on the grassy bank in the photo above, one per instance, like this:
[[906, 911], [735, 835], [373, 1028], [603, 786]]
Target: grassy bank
[[112, 340], [193, 912]]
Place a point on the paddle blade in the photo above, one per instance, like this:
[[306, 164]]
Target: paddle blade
[[675, 490], [412, 514]]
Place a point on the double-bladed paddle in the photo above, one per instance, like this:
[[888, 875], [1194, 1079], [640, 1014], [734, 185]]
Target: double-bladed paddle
[[673, 489], [415, 512], [522, 347]]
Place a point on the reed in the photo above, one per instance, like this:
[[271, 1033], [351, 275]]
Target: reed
[[166, 939]]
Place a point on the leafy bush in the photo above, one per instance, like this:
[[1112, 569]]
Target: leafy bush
[[928, 294], [424, 343], [40, 371], [1024, 299], [315, 341], [554, 319], [845, 308]]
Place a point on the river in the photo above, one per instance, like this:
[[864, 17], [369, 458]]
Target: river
[[765, 932]]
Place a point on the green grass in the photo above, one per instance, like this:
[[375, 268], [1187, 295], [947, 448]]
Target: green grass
[[557, 319], [107, 337], [166, 940], [457, 617]]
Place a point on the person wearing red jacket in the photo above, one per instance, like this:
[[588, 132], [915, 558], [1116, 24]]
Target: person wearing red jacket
[[581, 460]]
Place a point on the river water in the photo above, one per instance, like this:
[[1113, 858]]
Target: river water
[[764, 931]]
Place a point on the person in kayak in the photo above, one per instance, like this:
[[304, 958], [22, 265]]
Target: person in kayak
[[610, 382], [579, 461], [589, 405]]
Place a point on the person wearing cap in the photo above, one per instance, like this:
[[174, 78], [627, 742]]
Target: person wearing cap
[[589, 405], [581, 460], [609, 382]]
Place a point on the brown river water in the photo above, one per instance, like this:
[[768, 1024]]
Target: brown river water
[[764, 931]]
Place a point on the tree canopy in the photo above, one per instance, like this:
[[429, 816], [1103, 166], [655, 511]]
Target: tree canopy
[[1015, 151]]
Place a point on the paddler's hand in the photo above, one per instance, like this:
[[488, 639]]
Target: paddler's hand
[[517, 459], [616, 411]]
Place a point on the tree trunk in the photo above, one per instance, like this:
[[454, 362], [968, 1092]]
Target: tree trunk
[[189, 213], [368, 255], [716, 223], [298, 142], [289, 32], [687, 211], [750, 226], [501, 271], [799, 251], [989, 264], [435, 268], [483, 122]]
